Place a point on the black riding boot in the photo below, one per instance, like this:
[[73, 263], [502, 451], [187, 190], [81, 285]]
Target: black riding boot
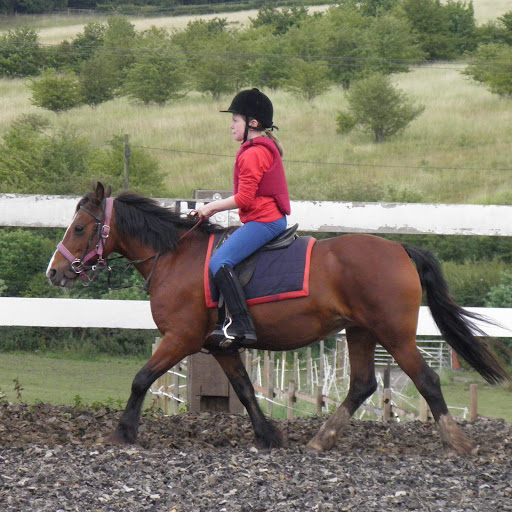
[[242, 327]]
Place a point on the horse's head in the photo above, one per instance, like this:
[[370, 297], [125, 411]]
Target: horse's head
[[84, 246]]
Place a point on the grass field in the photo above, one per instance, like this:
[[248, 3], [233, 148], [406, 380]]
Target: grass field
[[458, 151], [60, 381]]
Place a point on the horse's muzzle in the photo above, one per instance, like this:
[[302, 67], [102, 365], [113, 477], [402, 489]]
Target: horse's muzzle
[[64, 279]]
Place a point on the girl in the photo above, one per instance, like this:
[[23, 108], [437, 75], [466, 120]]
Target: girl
[[260, 193]]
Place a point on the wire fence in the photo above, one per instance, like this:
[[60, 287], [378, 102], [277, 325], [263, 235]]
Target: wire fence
[[315, 382]]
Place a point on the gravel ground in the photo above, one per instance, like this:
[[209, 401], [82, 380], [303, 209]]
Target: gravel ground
[[50, 460]]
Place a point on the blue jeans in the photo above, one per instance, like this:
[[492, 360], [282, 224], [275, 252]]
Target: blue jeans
[[244, 241]]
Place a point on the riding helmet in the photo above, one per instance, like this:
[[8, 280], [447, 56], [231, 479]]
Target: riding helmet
[[253, 103]]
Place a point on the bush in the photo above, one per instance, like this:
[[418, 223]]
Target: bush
[[500, 295], [492, 65], [158, 74], [20, 53], [56, 91], [378, 108]]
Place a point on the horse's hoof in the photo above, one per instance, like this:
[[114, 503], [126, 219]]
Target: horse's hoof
[[115, 439], [313, 448]]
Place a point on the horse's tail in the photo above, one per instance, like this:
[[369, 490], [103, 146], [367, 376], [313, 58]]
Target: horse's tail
[[455, 323]]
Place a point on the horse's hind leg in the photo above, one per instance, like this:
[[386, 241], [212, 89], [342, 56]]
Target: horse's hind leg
[[361, 347], [267, 436], [428, 384]]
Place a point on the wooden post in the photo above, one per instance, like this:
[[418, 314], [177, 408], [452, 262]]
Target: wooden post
[[309, 372], [340, 356], [266, 361], [319, 399], [296, 368], [291, 399], [473, 402], [321, 377], [166, 390], [270, 387], [176, 390], [387, 376], [423, 409], [386, 404]]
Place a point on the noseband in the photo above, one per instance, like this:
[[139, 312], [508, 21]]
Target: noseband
[[102, 231]]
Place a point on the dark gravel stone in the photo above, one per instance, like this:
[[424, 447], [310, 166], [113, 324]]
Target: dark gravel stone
[[50, 460]]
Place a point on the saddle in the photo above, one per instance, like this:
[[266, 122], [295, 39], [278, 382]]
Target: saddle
[[277, 271], [245, 269]]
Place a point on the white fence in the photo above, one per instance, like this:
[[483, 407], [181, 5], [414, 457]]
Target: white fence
[[321, 216]]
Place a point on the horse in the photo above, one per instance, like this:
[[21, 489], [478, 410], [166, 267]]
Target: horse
[[369, 286]]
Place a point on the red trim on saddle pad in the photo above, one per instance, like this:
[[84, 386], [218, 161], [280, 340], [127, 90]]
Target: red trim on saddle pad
[[303, 292]]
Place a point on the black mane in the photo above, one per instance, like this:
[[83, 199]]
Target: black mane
[[154, 225]]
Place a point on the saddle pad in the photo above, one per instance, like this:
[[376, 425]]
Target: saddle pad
[[279, 274]]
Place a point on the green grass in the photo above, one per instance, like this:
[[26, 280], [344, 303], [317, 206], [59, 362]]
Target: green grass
[[58, 380], [61, 381], [493, 401], [456, 152]]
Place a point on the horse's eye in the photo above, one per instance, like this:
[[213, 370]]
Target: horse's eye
[[79, 228]]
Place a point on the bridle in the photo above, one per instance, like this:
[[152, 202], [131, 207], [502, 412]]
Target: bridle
[[101, 231]]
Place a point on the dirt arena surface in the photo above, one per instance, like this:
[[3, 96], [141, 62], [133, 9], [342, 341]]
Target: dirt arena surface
[[50, 460]]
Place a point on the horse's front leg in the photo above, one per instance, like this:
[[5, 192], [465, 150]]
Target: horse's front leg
[[266, 434], [171, 350]]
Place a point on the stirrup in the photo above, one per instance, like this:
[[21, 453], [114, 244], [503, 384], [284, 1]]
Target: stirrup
[[228, 339]]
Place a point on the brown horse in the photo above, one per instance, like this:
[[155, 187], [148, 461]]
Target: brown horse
[[367, 285]]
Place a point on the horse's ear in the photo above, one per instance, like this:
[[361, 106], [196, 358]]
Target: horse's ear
[[108, 191], [100, 191]]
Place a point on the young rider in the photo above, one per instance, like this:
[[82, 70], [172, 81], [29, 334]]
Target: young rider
[[260, 192]]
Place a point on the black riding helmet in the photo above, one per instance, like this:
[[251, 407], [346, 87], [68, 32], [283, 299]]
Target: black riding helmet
[[252, 103]]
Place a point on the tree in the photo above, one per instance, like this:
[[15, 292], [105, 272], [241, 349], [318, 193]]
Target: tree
[[117, 49], [377, 107], [491, 65], [500, 296], [308, 78], [36, 158], [20, 53], [279, 20], [107, 166], [23, 254], [158, 74], [444, 30], [216, 57], [98, 80], [56, 91]]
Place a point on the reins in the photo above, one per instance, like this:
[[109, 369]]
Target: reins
[[196, 225]]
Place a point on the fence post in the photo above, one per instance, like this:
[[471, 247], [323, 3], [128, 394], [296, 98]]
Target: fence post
[[423, 409], [386, 404], [321, 377], [270, 387], [176, 389], [309, 371], [291, 399], [473, 402], [319, 399]]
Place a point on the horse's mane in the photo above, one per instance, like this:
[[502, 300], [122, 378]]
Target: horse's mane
[[154, 225]]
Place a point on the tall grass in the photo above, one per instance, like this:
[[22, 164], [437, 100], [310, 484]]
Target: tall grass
[[458, 151]]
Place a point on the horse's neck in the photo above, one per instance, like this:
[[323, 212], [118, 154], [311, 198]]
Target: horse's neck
[[142, 258]]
